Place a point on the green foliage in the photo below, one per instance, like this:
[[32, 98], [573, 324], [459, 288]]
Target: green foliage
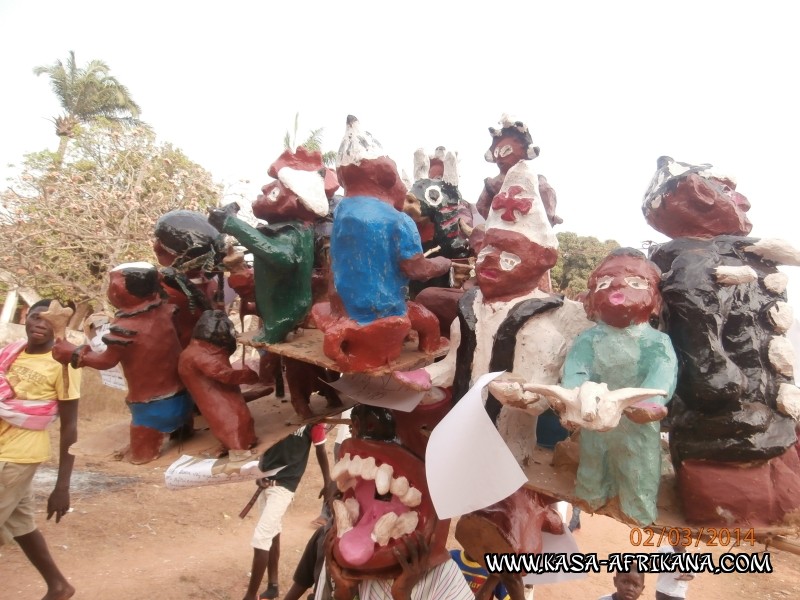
[[577, 258], [63, 228], [312, 142], [87, 94]]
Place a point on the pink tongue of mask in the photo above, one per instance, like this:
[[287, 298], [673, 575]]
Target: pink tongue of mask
[[356, 546]]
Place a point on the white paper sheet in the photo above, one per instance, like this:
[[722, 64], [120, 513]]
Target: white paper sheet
[[556, 544], [382, 391], [467, 463], [190, 471]]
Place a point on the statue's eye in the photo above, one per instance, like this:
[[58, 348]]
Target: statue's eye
[[508, 261], [433, 195], [485, 251], [637, 283], [603, 283], [505, 151], [273, 195]]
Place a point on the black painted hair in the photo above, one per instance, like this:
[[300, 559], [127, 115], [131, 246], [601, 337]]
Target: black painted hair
[[141, 282]]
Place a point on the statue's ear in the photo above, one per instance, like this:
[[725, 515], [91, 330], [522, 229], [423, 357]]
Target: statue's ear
[[385, 174]]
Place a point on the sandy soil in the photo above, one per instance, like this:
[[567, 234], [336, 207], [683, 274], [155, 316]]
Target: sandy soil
[[130, 538]]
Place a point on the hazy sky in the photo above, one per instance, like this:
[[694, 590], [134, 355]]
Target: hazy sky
[[606, 87]]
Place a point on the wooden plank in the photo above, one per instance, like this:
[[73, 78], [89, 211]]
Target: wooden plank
[[559, 483], [306, 346], [274, 420]]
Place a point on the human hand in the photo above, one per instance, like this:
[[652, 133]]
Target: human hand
[[58, 504], [413, 562]]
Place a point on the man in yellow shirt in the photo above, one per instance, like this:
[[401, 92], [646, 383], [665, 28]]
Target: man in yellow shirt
[[33, 392]]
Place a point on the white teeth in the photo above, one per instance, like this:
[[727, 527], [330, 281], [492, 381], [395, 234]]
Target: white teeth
[[342, 517], [355, 466], [383, 478], [399, 486], [340, 467], [412, 498], [381, 533], [345, 482], [368, 468], [353, 509], [405, 524]]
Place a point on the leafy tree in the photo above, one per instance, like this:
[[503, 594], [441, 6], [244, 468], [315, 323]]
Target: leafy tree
[[63, 230], [577, 258], [87, 94], [313, 142]]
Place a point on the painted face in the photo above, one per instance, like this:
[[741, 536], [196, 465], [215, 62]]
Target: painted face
[[623, 291], [384, 491], [507, 151], [695, 205], [629, 585], [277, 203], [510, 265], [38, 330], [438, 206]]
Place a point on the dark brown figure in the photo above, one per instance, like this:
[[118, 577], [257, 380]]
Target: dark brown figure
[[735, 408], [188, 248], [144, 341], [214, 384]]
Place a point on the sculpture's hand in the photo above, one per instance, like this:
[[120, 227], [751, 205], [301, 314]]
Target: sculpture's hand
[[646, 412], [217, 216], [418, 379], [62, 351], [776, 250]]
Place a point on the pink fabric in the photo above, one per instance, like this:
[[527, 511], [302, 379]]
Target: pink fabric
[[7, 356], [28, 414]]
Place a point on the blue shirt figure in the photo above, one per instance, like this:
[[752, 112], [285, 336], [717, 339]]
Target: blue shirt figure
[[369, 241]]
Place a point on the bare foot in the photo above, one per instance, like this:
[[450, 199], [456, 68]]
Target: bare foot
[[59, 592]]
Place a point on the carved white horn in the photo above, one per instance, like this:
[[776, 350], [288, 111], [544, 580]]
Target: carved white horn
[[450, 174], [422, 164]]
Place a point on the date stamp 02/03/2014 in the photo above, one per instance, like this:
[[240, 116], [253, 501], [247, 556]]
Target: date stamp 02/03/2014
[[687, 537]]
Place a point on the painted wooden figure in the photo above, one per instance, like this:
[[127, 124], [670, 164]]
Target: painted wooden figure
[[618, 377], [512, 143], [375, 251], [142, 339], [385, 509], [206, 369], [283, 251], [189, 250], [507, 322], [733, 418]]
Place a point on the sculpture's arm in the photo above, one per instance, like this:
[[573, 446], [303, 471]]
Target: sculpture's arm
[[277, 251]]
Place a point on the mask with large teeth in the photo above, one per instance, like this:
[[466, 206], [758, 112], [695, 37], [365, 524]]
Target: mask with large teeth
[[384, 491]]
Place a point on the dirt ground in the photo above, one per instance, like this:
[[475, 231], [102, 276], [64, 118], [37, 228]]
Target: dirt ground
[[130, 538]]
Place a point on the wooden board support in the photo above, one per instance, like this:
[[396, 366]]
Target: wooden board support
[[306, 346], [559, 483], [274, 420]]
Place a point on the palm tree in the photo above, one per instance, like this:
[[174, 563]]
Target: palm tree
[[86, 94], [313, 142]]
